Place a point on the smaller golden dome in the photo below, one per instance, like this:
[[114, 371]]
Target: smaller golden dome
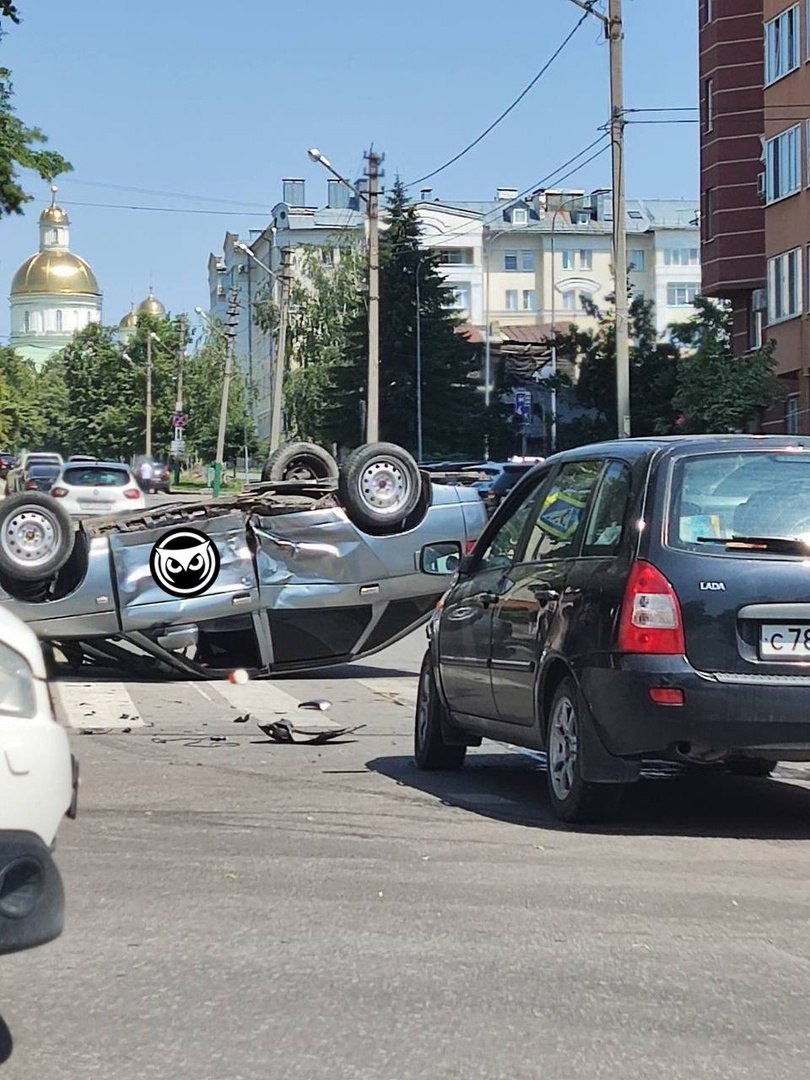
[[54, 215], [129, 321], [151, 306]]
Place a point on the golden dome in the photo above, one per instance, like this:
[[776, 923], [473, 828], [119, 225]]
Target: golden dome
[[55, 272], [151, 306], [129, 321], [54, 215]]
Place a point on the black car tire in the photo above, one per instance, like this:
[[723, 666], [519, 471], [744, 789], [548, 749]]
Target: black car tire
[[751, 766], [36, 536], [430, 750], [573, 799], [380, 487], [300, 461]]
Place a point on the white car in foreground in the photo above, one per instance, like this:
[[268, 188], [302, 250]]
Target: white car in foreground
[[38, 784], [98, 487]]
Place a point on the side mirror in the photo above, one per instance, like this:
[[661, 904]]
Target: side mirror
[[441, 558]]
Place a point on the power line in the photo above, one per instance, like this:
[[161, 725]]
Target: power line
[[505, 113], [155, 191], [161, 209]]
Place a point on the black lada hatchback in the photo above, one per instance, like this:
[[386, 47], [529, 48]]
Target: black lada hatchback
[[637, 599]]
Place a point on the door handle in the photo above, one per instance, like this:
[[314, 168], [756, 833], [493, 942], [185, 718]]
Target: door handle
[[488, 599]]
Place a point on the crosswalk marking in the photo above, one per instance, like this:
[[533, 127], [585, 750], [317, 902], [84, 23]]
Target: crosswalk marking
[[95, 705], [402, 688], [261, 698]]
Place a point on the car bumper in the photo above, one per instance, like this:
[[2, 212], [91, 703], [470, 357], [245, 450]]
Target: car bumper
[[720, 715], [32, 898]]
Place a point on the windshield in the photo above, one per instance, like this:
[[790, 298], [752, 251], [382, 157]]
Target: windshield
[[719, 496], [44, 470], [95, 476]]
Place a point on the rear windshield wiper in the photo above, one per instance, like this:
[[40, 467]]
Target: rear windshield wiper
[[788, 545]]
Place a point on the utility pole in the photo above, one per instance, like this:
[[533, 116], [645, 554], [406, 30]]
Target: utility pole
[[179, 432], [280, 364], [418, 359], [373, 392], [614, 32], [149, 335], [230, 334]]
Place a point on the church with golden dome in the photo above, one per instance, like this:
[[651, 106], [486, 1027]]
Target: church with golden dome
[[150, 306], [54, 293]]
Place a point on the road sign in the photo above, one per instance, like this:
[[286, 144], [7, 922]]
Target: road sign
[[178, 445], [523, 404], [179, 420]]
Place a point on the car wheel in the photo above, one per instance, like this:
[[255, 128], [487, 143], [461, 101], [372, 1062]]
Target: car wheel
[[380, 486], [300, 461], [572, 798], [430, 750], [36, 536], [751, 766]]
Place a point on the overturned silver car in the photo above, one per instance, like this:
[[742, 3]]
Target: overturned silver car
[[312, 567]]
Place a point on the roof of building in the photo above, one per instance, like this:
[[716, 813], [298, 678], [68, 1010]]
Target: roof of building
[[642, 215]]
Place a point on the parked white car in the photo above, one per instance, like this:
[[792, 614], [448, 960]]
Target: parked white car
[[38, 784], [97, 487]]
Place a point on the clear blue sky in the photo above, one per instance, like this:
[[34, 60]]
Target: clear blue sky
[[220, 100]]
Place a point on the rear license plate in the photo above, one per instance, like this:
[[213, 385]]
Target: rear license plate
[[784, 641]]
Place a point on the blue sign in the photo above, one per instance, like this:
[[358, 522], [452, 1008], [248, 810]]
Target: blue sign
[[523, 404]]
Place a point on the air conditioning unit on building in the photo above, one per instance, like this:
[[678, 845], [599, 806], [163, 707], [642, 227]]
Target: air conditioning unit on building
[[761, 185], [220, 290]]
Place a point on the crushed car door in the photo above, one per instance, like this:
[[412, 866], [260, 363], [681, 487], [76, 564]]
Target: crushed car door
[[466, 624], [207, 575]]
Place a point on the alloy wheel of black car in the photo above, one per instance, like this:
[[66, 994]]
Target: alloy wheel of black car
[[380, 486], [36, 536], [572, 798], [300, 461], [430, 750]]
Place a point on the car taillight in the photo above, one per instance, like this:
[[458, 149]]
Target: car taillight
[[469, 547], [132, 493], [59, 492], [651, 620]]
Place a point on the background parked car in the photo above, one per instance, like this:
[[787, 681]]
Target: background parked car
[[510, 473], [97, 487], [7, 462], [152, 475], [38, 781], [15, 481], [39, 477]]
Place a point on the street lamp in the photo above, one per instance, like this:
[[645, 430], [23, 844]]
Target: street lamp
[[370, 199], [251, 254], [565, 202]]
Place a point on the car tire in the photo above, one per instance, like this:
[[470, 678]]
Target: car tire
[[751, 766], [36, 536], [573, 799], [300, 461], [380, 486], [430, 751]]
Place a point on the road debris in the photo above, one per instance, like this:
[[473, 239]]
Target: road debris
[[317, 731]]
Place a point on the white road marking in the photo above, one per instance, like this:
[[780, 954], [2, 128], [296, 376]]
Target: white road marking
[[101, 705], [200, 691], [403, 688], [260, 698]]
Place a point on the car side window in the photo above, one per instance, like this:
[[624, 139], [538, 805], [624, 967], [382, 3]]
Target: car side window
[[561, 511], [503, 548], [606, 523]]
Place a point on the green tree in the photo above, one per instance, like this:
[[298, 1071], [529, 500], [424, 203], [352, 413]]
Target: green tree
[[653, 375], [22, 426], [717, 391], [452, 408], [202, 397], [20, 145], [49, 430]]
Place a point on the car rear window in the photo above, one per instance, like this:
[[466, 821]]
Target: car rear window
[[44, 470], [755, 494], [95, 476], [509, 477]]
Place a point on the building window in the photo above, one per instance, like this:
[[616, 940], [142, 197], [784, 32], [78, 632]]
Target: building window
[[511, 300], [756, 320], [529, 300], [783, 169], [709, 207], [510, 260], [708, 14], [586, 259], [520, 216], [569, 298], [681, 257], [27, 322], [708, 105], [460, 295], [681, 293], [527, 260], [568, 260], [784, 285], [782, 44], [59, 322], [455, 256], [792, 415], [637, 260]]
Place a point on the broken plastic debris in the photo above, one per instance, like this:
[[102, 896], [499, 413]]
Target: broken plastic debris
[[316, 705], [317, 731]]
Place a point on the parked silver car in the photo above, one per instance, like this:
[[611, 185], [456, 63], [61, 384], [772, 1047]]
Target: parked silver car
[[288, 575]]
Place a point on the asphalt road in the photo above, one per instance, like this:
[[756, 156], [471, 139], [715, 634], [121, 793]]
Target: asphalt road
[[244, 910]]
